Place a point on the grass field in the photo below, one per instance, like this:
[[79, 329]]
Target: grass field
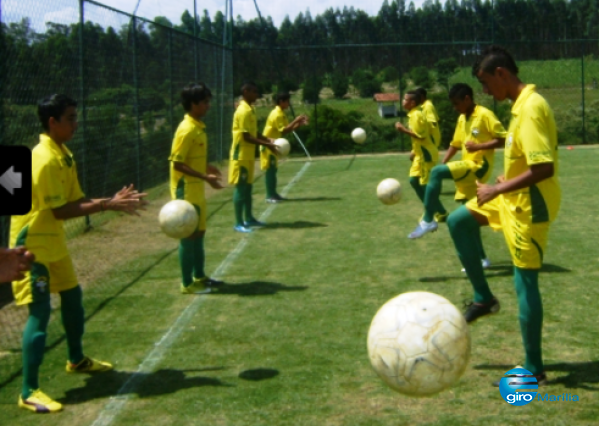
[[284, 343]]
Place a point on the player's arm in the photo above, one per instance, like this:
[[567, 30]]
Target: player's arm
[[127, 200], [403, 129], [472, 146], [260, 140], [213, 179], [535, 174], [299, 121], [451, 151]]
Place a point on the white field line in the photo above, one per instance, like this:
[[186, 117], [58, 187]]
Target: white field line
[[117, 402]]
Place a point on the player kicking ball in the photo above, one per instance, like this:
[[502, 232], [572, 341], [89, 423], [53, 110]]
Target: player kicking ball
[[522, 204], [56, 197], [189, 169]]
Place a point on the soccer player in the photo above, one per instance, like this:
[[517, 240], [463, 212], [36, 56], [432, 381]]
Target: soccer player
[[430, 112], [523, 202], [14, 262], [424, 150], [189, 169], [477, 134], [276, 126], [56, 196], [243, 154]]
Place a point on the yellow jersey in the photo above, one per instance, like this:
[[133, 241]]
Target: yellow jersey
[[190, 147], [532, 139], [244, 121], [54, 184], [423, 146], [430, 113]]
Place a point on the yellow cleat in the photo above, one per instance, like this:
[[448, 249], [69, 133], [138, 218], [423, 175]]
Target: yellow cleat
[[197, 287], [39, 402], [88, 365]]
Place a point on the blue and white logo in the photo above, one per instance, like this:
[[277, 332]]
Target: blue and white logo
[[518, 387]]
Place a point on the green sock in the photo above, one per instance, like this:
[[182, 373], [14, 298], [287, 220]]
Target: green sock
[[415, 183], [248, 203], [432, 204], [34, 342], [186, 260], [73, 321], [531, 316], [464, 229], [483, 254], [199, 258], [270, 178], [239, 202]]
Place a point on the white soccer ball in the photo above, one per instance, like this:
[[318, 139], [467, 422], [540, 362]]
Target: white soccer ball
[[178, 219], [358, 135], [389, 191], [283, 146], [419, 343]]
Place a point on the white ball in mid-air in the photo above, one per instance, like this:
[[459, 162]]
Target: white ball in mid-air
[[283, 146], [419, 343], [389, 191], [178, 219], [358, 135]]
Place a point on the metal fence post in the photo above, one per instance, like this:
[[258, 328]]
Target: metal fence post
[[138, 184], [170, 77], [82, 104], [584, 127]]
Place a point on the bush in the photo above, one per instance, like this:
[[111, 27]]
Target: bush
[[389, 74], [421, 77], [312, 88], [366, 83], [286, 85], [339, 84], [445, 69]]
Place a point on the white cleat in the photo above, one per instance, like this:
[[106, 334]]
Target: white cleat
[[423, 228], [485, 262]]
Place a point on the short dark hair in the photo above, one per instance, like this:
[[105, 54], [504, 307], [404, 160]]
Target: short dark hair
[[282, 97], [460, 91], [493, 57], [53, 106], [415, 95], [194, 93], [422, 92], [248, 85]]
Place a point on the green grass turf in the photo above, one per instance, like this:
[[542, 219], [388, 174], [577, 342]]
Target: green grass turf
[[285, 342]]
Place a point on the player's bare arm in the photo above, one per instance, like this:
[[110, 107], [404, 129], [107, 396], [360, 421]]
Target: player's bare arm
[[260, 140], [535, 174], [472, 146], [451, 151], [402, 129], [127, 200], [213, 170], [213, 179], [13, 262]]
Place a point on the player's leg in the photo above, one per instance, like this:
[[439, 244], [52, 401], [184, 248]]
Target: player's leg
[[418, 189], [238, 176], [531, 317], [425, 227], [464, 225], [250, 220], [270, 178], [432, 203]]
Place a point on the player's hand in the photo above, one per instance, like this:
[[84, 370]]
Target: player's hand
[[400, 127], [305, 120], [471, 146], [485, 193], [214, 181], [127, 200], [13, 262], [500, 179], [213, 170], [273, 147]]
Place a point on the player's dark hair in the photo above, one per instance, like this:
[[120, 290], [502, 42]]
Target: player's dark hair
[[415, 96], [53, 106], [460, 91], [422, 92], [493, 57], [248, 85], [282, 97], [194, 93]]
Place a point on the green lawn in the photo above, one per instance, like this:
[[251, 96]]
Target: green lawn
[[285, 342]]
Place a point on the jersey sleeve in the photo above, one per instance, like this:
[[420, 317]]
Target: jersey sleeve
[[418, 125], [458, 136], [495, 127], [281, 122], [246, 121], [536, 142], [51, 191], [180, 148], [75, 193]]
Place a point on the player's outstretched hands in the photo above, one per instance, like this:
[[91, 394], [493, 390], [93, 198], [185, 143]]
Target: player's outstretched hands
[[485, 193], [13, 262], [213, 170], [214, 181], [400, 127], [127, 200]]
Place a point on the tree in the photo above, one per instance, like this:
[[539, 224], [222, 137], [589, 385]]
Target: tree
[[421, 77], [312, 88], [445, 69], [366, 83], [339, 84]]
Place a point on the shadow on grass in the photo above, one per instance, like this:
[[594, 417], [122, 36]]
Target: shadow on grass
[[502, 269], [254, 288], [312, 199], [144, 385], [579, 375], [258, 374], [300, 224]]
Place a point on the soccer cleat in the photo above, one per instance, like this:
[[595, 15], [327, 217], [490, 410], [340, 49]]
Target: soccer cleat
[[441, 217], [423, 228], [485, 262], [197, 287], [88, 365], [39, 402], [242, 228], [254, 223], [541, 378], [476, 310], [209, 282], [279, 198], [272, 200]]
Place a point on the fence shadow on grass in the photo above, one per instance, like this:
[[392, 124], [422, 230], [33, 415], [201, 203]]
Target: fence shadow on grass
[[298, 224], [160, 382], [501, 269], [579, 375], [255, 288]]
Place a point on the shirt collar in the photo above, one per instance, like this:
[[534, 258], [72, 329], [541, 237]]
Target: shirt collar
[[412, 111], [245, 104], [192, 120], [524, 94], [58, 150]]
